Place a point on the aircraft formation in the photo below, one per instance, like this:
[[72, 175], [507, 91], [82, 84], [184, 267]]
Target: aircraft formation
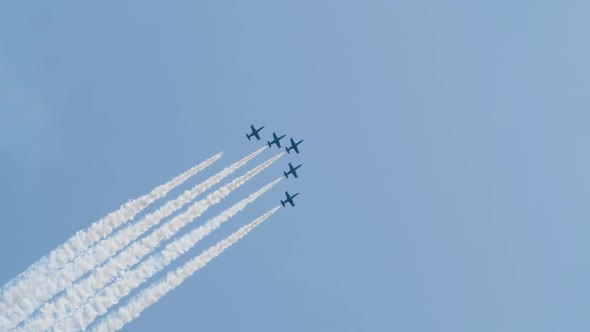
[[276, 141], [93, 272]]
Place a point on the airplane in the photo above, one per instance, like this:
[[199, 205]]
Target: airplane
[[292, 171], [254, 132], [276, 140], [289, 199], [293, 146]]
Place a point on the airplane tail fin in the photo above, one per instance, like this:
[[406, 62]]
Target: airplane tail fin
[[286, 175], [288, 149], [282, 203], [248, 136], [270, 146]]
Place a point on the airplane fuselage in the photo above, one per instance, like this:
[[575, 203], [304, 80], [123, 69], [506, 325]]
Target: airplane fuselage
[[289, 199], [292, 171], [276, 140], [294, 146], [255, 132]]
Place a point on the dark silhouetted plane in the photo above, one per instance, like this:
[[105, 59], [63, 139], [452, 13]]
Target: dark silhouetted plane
[[293, 146], [276, 140], [292, 171], [289, 199], [254, 132]]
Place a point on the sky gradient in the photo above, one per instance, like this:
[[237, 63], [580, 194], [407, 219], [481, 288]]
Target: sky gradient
[[445, 181]]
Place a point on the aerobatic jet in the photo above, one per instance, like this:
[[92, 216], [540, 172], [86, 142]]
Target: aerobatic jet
[[276, 140], [292, 171], [255, 132], [293, 146], [289, 199]]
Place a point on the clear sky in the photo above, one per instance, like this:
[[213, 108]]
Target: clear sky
[[445, 182]]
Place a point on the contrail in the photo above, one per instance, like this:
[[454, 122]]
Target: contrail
[[109, 246], [115, 320], [79, 292], [131, 279], [82, 240]]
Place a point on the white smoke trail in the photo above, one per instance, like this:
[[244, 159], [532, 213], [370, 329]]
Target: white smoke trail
[[82, 240], [104, 249], [115, 320], [76, 294], [131, 279]]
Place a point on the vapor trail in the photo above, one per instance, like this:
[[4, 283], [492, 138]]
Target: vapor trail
[[104, 249], [76, 295], [115, 320], [131, 279], [82, 240]]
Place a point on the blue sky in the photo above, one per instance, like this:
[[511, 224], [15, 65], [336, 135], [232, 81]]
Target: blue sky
[[445, 179]]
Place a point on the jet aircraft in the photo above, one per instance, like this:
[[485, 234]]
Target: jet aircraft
[[293, 146], [276, 140], [292, 171], [255, 132], [289, 199]]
